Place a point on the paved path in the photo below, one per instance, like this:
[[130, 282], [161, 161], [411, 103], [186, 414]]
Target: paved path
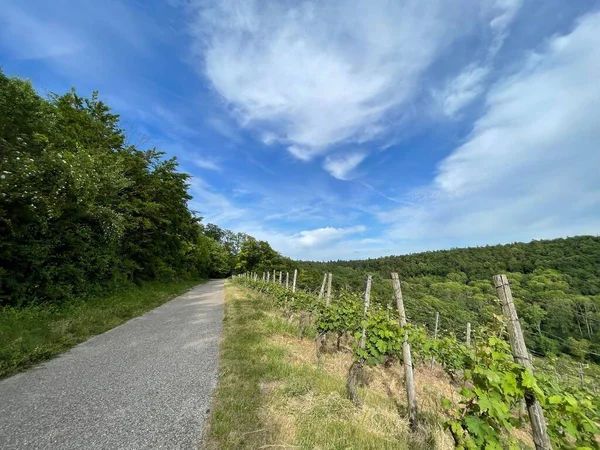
[[143, 385]]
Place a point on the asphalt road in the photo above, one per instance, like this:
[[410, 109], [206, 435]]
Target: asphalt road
[[143, 385]]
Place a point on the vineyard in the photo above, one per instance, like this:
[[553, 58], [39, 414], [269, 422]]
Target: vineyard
[[493, 376]]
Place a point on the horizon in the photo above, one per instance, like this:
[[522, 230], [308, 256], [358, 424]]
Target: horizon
[[345, 130], [399, 255]]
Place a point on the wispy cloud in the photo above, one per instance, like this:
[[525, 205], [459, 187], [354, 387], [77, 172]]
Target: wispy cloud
[[213, 205], [341, 166], [224, 128], [529, 168], [207, 164], [48, 39], [320, 236], [470, 82], [313, 75], [82, 38], [463, 89]]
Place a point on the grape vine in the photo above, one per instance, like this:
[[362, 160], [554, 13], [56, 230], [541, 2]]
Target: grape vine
[[493, 386]]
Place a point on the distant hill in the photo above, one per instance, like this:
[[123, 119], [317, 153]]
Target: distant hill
[[578, 258], [556, 284]]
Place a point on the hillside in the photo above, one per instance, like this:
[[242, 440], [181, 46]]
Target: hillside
[[556, 284], [304, 370]]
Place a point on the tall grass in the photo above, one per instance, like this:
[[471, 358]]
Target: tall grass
[[36, 333]]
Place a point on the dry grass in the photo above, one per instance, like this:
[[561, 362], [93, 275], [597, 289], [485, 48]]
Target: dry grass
[[383, 411], [299, 401]]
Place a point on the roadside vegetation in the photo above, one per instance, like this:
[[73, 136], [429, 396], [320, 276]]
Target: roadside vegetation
[[274, 393], [93, 228], [34, 334], [556, 285], [343, 391]]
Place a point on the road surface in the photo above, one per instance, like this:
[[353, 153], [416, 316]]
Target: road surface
[[145, 384]]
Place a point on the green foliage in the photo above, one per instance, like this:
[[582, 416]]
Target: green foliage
[[383, 339], [343, 316], [454, 356], [493, 384], [556, 285], [35, 333], [572, 415], [82, 212]]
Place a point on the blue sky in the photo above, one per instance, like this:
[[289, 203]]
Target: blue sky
[[346, 129]]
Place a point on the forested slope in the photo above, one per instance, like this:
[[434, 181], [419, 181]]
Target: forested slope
[[556, 284]]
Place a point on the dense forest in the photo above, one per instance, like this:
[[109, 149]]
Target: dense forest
[[82, 211], [556, 284]]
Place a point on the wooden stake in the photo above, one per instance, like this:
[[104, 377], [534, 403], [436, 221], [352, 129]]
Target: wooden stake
[[521, 355], [406, 357], [328, 293], [294, 282], [437, 321], [363, 341], [280, 277], [268, 276], [322, 291], [357, 366], [287, 280], [468, 334], [274, 277], [323, 339]]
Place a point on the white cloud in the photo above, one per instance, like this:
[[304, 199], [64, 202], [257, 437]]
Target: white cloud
[[341, 166], [470, 82], [529, 168], [48, 40], [321, 236], [313, 75], [507, 10], [87, 38], [462, 90], [302, 153], [207, 164], [224, 128], [212, 205]]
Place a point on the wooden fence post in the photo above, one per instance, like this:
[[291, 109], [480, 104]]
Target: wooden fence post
[[406, 357], [263, 276], [294, 282], [521, 355], [356, 368], [280, 277], [363, 338], [328, 293], [468, 334], [274, 276], [323, 339], [268, 276], [322, 291], [287, 281], [437, 321]]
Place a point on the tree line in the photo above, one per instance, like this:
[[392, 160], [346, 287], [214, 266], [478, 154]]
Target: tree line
[[556, 284], [83, 211]]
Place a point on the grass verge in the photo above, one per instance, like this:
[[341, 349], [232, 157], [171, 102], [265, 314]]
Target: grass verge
[[34, 334], [272, 392]]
